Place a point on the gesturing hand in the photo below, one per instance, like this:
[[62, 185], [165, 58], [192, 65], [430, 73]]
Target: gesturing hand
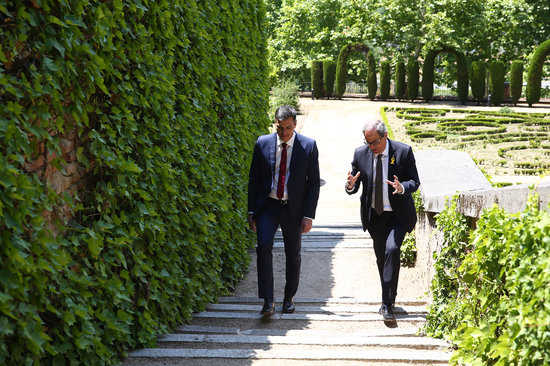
[[398, 188], [352, 179], [307, 223]]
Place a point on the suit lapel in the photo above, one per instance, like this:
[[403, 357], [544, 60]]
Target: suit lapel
[[297, 149], [272, 148], [391, 159]]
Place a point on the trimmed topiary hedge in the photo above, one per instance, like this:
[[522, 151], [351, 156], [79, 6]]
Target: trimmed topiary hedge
[[329, 74], [412, 78], [479, 74], [385, 79], [400, 73], [461, 76], [166, 100], [342, 67], [534, 74], [317, 79], [516, 80], [497, 71], [371, 76]]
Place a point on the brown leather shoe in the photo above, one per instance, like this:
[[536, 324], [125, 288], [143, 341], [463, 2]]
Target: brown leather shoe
[[288, 306]]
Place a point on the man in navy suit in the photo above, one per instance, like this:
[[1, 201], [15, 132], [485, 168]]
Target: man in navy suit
[[387, 170], [283, 189]]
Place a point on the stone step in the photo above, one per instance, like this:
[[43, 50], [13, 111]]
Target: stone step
[[381, 332], [320, 301], [364, 317], [345, 244], [239, 340], [329, 309], [298, 353]]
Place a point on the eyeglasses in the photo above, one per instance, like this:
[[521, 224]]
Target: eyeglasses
[[374, 143]]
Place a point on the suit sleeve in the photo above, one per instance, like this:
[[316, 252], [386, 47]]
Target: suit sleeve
[[313, 183], [354, 170], [253, 179], [413, 182]]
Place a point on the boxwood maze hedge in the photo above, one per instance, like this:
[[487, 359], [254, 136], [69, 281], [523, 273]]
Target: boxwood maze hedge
[[461, 127], [166, 99]]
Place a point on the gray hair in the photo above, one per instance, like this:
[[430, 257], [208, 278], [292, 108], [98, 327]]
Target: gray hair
[[284, 112], [376, 124]]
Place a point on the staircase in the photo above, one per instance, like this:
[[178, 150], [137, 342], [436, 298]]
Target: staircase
[[336, 320]]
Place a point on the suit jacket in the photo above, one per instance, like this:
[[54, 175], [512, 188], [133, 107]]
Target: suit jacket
[[303, 175], [401, 163]]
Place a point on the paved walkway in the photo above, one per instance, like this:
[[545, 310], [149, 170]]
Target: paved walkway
[[336, 320]]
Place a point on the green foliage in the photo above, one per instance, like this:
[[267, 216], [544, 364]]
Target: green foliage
[[408, 248], [284, 93], [399, 79], [497, 71], [385, 79], [516, 80], [317, 79], [534, 74], [329, 74], [371, 75], [166, 100], [341, 66], [490, 293], [479, 74], [413, 78], [461, 75]]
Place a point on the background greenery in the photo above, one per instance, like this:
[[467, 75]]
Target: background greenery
[[166, 99], [306, 30]]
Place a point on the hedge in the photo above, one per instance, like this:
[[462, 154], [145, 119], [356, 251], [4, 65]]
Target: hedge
[[496, 81], [479, 74], [534, 74], [385, 79], [342, 67], [317, 79], [461, 76], [329, 74], [516, 80], [412, 79], [400, 73], [371, 76], [166, 100]]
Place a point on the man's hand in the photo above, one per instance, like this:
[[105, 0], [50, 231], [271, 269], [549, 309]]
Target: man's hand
[[351, 180], [398, 187], [306, 225], [251, 222]]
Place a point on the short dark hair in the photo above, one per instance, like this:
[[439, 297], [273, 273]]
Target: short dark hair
[[284, 112]]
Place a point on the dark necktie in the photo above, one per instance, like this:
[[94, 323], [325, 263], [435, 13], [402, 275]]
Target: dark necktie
[[378, 199], [282, 174]]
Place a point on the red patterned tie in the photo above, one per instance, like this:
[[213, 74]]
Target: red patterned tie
[[282, 173]]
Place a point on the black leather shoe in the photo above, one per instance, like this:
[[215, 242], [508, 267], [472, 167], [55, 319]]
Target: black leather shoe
[[386, 311], [268, 309], [288, 306]]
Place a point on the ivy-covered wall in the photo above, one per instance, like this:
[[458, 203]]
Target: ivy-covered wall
[[160, 103]]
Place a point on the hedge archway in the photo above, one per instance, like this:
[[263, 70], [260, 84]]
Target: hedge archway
[[535, 72], [342, 66], [428, 74]]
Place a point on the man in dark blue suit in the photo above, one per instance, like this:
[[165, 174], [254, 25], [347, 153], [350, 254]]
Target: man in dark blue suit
[[387, 170], [283, 189]]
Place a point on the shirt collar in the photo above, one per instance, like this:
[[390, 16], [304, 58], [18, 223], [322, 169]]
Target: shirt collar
[[289, 142]]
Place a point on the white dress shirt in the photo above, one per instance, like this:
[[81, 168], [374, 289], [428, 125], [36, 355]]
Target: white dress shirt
[[278, 151], [386, 199]]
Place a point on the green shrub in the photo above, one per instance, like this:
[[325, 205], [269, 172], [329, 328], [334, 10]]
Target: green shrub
[[534, 74], [428, 75], [285, 93], [461, 77], [371, 76], [166, 101], [400, 73], [479, 74], [385, 79], [496, 81], [516, 80], [412, 78], [342, 68], [329, 74], [317, 79]]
